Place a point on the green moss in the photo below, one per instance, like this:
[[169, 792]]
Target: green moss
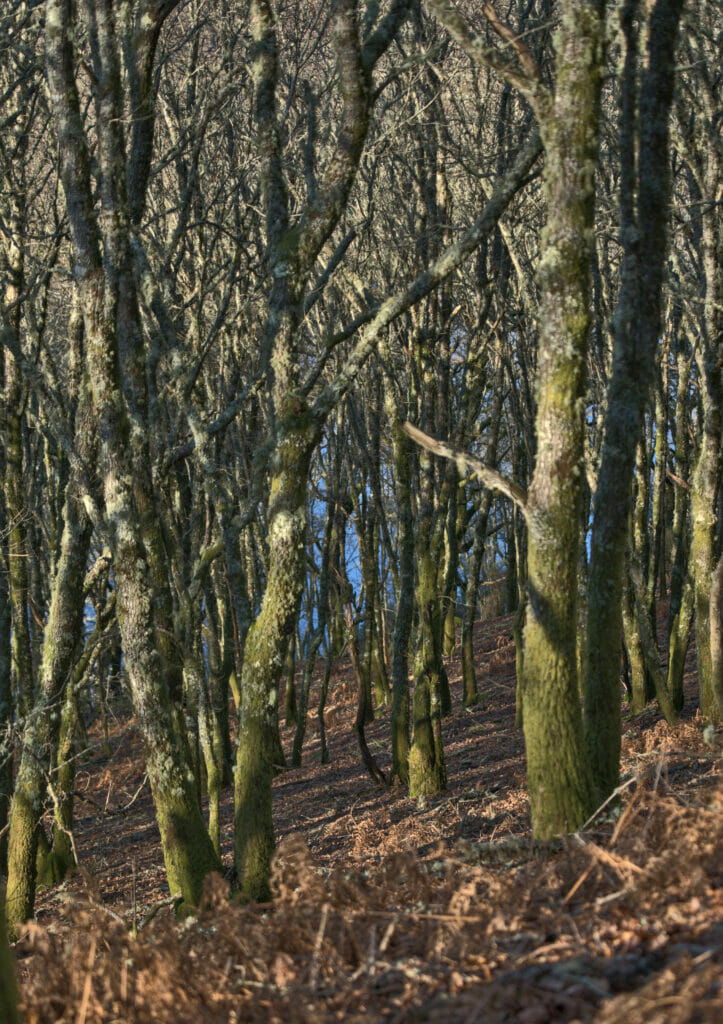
[[22, 848], [266, 646], [254, 829], [51, 866], [8, 986]]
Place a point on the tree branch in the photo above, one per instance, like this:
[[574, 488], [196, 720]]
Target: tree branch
[[489, 477]]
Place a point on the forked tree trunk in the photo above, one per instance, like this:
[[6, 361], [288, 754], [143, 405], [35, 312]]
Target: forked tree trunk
[[188, 853]]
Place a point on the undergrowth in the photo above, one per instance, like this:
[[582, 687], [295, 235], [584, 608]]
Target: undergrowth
[[621, 922]]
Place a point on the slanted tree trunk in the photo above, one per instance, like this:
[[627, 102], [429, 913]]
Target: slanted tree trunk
[[40, 736], [361, 718]]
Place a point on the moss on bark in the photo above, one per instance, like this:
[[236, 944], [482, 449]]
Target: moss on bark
[[558, 773], [266, 648], [8, 986]]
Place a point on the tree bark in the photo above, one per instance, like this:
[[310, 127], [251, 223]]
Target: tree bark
[[636, 333], [559, 779]]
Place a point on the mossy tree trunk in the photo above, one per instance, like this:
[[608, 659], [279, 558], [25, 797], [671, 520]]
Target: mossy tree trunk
[[40, 735], [18, 550], [292, 251], [634, 647], [317, 637], [470, 694], [644, 197], [220, 666], [211, 749], [266, 645], [427, 769], [62, 851], [8, 987], [706, 483], [559, 779], [704, 521], [291, 711], [6, 701], [716, 629], [640, 543], [558, 774], [678, 641], [697, 117], [656, 569], [455, 510], [679, 533], [109, 307]]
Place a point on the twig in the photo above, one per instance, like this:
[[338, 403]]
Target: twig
[[169, 901], [314, 973], [133, 897], [616, 792], [114, 810], [83, 1010]]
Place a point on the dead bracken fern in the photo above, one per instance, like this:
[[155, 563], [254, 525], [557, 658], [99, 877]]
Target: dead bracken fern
[[618, 924]]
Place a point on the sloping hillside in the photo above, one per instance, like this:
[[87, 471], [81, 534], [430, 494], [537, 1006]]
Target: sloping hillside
[[390, 909]]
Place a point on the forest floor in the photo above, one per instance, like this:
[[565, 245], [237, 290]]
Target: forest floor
[[389, 909]]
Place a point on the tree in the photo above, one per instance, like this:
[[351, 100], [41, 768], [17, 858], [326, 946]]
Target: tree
[[103, 274], [8, 989], [644, 207]]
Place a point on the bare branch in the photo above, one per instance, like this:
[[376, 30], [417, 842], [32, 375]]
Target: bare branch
[[489, 477]]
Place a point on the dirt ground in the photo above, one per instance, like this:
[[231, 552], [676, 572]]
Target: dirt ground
[[391, 909]]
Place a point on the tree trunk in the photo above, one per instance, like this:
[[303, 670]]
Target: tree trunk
[[8, 987], [716, 632], [427, 771], [266, 646], [405, 599], [103, 282], [704, 518], [6, 701], [636, 333], [40, 736], [558, 774]]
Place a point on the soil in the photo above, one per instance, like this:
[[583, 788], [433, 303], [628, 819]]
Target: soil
[[391, 909]]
